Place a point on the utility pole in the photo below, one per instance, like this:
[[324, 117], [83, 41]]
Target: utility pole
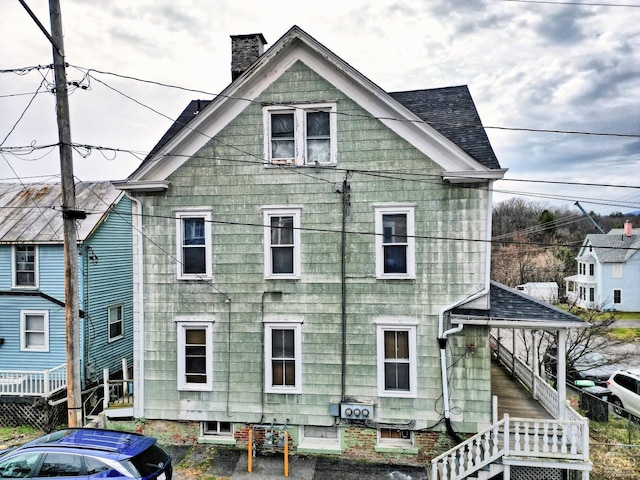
[[70, 214]]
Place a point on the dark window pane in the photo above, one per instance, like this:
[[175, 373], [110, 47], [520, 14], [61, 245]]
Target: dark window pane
[[282, 125], [394, 228], [395, 259], [196, 356], [193, 231], [281, 230], [95, 466], [282, 259], [318, 124], [60, 465], [396, 376], [282, 344], [193, 260]]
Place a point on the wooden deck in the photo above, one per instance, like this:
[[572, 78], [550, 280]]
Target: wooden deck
[[513, 397]]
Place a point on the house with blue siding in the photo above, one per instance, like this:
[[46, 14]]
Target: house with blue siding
[[32, 284], [312, 257], [608, 275]]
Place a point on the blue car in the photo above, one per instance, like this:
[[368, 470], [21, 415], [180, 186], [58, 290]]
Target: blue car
[[87, 453]]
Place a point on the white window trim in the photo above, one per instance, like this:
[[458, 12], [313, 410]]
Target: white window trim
[[109, 322], [23, 336], [297, 328], [207, 216], [613, 296], [182, 325], [36, 268], [267, 213], [217, 434], [300, 141], [409, 211], [413, 362]]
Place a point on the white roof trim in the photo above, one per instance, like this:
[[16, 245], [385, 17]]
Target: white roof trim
[[295, 46]]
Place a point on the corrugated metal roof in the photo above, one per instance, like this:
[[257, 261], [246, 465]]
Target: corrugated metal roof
[[32, 212]]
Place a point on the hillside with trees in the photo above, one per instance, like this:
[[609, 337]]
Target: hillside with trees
[[533, 242]]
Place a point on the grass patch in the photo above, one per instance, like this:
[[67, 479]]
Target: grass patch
[[626, 334], [11, 436]]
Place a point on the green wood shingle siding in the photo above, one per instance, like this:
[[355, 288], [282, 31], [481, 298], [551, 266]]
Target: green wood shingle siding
[[228, 177]]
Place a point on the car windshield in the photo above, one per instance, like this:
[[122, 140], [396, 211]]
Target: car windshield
[[591, 359], [150, 461]]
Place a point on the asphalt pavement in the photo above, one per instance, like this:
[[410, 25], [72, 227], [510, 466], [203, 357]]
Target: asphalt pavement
[[192, 462]]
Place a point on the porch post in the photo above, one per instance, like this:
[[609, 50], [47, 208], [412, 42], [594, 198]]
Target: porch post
[[561, 373], [535, 366]]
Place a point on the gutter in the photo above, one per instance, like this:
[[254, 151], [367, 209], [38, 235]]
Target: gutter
[[442, 335]]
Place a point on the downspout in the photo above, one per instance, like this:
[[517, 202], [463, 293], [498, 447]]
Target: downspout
[[442, 335], [138, 333]]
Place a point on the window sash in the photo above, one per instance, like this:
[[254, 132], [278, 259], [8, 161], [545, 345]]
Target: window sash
[[397, 360], [195, 355], [282, 243], [617, 296], [25, 266], [194, 244], [34, 330], [303, 135], [395, 242], [116, 322], [283, 373]]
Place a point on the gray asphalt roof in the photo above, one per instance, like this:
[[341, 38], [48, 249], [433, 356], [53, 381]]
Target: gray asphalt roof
[[613, 247], [32, 212], [510, 304], [450, 110]]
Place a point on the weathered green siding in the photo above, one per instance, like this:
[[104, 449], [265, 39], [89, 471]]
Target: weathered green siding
[[228, 176]]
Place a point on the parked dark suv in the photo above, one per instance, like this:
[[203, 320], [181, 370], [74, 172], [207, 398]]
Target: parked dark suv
[[88, 453]]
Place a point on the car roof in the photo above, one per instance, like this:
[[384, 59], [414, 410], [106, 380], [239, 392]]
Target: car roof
[[633, 372], [106, 443]]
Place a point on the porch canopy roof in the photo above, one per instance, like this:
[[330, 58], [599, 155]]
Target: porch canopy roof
[[510, 308]]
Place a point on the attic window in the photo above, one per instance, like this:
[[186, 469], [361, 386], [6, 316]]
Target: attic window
[[299, 136]]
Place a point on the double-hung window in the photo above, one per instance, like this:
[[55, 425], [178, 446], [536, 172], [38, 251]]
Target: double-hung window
[[282, 242], [116, 322], [193, 241], [617, 296], [397, 368], [395, 241], [300, 135], [195, 354], [34, 330], [25, 266], [283, 357]]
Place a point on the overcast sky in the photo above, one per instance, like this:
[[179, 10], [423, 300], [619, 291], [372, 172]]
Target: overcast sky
[[530, 66]]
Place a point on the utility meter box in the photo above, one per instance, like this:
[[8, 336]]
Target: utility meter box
[[356, 411]]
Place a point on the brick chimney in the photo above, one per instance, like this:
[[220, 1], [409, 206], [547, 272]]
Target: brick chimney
[[245, 50]]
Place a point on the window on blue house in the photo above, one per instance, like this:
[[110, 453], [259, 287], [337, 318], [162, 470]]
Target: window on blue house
[[34, 330], [116, 322], [25, 266]]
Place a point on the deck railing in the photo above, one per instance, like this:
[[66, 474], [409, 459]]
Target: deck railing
[[33, 383], [544, 439]]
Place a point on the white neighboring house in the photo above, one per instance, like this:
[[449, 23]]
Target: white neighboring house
[[545, 291], [608, 272]]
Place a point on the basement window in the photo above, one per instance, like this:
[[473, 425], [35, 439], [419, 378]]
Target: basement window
[[392, 437], [217, 429]]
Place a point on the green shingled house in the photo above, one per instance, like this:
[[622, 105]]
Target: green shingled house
[[301, 241]]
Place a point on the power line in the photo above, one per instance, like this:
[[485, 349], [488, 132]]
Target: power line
[[576, 4], [88, 71]]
